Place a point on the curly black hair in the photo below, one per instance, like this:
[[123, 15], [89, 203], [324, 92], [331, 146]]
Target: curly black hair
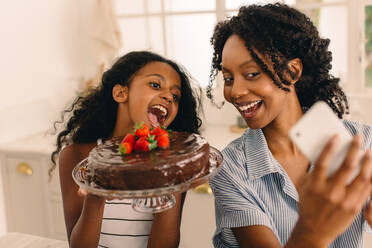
[[93, 116], [281, 33]]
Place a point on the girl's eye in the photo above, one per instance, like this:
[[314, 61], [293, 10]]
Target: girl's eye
[[251, 75], [176, 98], [155, 85], [228, 80]]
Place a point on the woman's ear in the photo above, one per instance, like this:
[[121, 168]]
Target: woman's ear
[[120, 93], [295, 69]]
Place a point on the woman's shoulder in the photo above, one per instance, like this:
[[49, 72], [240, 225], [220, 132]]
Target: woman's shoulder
[[359, 128]]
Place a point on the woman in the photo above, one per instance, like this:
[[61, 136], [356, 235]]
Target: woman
[[267, 194]]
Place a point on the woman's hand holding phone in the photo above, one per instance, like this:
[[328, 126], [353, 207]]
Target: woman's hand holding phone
[[329, 204]]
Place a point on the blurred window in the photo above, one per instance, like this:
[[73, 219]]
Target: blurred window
[[181, 30]]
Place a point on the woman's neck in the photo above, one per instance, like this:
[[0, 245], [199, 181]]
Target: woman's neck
[[281, 146], [277, 132]]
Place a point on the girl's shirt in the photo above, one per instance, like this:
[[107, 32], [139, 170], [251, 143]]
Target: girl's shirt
[[252, 188], [124, 227]]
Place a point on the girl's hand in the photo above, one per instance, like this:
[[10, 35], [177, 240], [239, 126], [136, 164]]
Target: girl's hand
[[83, 193], [328, 205]]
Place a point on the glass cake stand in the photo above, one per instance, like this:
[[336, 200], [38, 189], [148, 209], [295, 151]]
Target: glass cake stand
[[146, 200]]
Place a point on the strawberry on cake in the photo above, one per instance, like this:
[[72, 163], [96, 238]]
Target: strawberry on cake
[[149, 158]]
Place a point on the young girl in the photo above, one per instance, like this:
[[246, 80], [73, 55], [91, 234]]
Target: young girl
[[137, 82], [275, 66]]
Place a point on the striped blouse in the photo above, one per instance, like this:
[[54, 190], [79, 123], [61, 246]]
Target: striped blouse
[[124, 227], [252, 188]]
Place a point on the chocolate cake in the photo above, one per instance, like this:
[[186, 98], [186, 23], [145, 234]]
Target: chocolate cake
[[186, 158]]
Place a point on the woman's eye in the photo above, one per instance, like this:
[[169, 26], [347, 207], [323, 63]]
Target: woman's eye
[[176, 98], [251, 75], [228, 80], [155, 85]]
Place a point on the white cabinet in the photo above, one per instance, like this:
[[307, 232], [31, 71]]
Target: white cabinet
[[33, 202]]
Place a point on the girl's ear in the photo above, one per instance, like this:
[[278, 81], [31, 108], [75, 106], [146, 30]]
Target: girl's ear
[[120, 93], [295, 69]]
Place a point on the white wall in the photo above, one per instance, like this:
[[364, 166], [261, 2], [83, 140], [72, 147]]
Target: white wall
[[40, 62], [40, 66]]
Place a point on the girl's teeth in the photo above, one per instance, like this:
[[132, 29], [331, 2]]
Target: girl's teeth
[[162, 109]]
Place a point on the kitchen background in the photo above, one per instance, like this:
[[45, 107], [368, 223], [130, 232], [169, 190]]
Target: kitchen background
[[53, 50]]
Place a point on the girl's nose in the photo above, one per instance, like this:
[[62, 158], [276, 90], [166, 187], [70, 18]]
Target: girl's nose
[[167, 97]]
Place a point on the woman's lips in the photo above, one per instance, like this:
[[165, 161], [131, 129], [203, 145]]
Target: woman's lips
[[250, 110]]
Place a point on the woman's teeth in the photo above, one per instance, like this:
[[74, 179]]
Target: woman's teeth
[[248, 106]]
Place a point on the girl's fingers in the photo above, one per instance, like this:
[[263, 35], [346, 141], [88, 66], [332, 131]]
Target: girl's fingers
[[82, 192], [350, 162], [325, 157]]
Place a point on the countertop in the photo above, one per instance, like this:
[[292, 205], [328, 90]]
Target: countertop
[[21, 240]]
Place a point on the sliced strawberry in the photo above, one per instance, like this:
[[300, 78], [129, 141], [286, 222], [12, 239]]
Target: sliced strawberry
[[158, 131], [129, 138], [163, 141], [141, 130], [125, 148]]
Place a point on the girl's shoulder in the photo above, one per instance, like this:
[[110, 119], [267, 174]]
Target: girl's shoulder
[[73, 154]]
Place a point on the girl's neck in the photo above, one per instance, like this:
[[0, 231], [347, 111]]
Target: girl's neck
[[122, 125]]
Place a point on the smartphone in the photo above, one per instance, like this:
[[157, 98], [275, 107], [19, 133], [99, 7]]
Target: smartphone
[[312, 132]]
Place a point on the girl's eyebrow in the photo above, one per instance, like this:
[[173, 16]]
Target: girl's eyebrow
[[162, 78], [177, 87], [156, 75]]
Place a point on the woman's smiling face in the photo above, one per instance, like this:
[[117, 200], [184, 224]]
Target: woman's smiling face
[[153, 95], [248, 87]]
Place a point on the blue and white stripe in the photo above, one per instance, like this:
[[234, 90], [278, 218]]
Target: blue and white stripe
[[252, 188]]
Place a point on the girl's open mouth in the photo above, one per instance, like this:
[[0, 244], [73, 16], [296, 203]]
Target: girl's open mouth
[[157, 114]]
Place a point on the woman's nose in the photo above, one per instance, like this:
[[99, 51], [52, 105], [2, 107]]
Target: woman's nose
[[239, 88]]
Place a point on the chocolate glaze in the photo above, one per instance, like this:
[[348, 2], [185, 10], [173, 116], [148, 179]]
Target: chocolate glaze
[[186, 158]]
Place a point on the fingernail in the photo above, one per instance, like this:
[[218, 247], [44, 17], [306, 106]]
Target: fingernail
[[335, 138]]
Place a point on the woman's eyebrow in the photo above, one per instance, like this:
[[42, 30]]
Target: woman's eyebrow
[[247, 62], [224, 68], [240, 66]]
